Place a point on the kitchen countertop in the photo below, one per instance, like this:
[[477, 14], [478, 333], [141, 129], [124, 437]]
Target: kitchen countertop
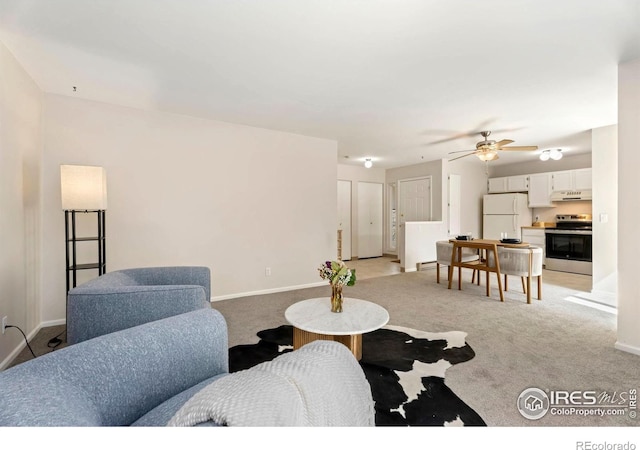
[[542, 225]]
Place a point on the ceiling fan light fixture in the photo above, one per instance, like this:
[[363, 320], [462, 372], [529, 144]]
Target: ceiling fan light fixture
[[556, 154], [367, 163], [488, 155]]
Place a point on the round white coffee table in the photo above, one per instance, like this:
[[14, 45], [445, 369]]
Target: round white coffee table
[[312, 319]]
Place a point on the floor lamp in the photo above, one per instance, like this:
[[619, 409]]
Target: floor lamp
[[84, 191]]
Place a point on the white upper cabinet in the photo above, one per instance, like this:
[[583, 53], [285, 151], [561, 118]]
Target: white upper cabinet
[[562, 181], [540, 190], [497, 185], [540, 186], [582, 179], [571, 180], [518, 183]]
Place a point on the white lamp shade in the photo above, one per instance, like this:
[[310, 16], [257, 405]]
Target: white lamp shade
[[544, 156], [488, 155], [83, 187]]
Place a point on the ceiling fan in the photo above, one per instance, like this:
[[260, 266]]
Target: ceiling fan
[[487, 150]]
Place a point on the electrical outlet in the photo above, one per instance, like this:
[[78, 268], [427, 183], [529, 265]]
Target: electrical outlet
[[4, 323], [267, 271]]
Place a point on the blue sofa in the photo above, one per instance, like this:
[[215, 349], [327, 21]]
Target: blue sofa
[[138, 376], [174, 372], [125, 298]]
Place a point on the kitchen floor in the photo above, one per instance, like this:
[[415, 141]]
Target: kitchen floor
[[387, 265]]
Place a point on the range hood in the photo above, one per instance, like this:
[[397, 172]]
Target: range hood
[[568, 196]]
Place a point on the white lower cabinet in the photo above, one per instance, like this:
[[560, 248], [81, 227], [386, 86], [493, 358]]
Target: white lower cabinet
[[535, 237]]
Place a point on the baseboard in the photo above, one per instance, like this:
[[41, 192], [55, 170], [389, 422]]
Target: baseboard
[[267, 291], [627, 348], [21, 346], [53, 323]]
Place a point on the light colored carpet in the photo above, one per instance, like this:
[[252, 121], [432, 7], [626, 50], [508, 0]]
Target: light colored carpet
[[551, 344]]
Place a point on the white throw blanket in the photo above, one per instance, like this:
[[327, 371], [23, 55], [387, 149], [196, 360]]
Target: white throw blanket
[[320, 384]]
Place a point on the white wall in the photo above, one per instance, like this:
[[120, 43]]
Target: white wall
[[189, 191], [605, 201], [473, 186], [20, 153], [628, 211], [357, 174]]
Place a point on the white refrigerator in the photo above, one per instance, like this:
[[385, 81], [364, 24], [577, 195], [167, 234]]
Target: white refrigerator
[[505, 213]]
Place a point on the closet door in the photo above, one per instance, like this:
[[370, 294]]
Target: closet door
[[344, 217], [369, 219]]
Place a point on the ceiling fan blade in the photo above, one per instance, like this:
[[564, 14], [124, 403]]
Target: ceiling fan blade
[[465, 134], [504, 142], [452, 138], [462, 151], [524, 148], [463, 156], [505, 130]]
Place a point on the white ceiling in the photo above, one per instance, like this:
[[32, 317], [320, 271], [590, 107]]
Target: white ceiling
[[385, 78]]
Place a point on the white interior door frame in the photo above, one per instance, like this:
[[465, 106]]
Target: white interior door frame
[[391, 208], [344, 216]]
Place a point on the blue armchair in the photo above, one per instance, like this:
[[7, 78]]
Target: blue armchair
[[145, 374], [126, 298]]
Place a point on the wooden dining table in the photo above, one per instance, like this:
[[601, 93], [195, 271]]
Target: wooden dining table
[[484, 247]]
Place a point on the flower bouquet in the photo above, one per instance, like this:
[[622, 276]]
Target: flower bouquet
[[339, 275]]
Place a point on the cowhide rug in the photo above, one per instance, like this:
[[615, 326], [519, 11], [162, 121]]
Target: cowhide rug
[[405, 368]]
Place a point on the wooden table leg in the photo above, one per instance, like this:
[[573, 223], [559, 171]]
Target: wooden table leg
[[539, 287], [352, 341], [500, 287], [488, 284], [529, 277], [459, 268], [453, 259]]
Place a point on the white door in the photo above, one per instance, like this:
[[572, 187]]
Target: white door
[[415, 200], [369, 220], [344, 217]]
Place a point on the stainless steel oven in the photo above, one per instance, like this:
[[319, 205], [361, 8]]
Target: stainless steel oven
[[568, 246]]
